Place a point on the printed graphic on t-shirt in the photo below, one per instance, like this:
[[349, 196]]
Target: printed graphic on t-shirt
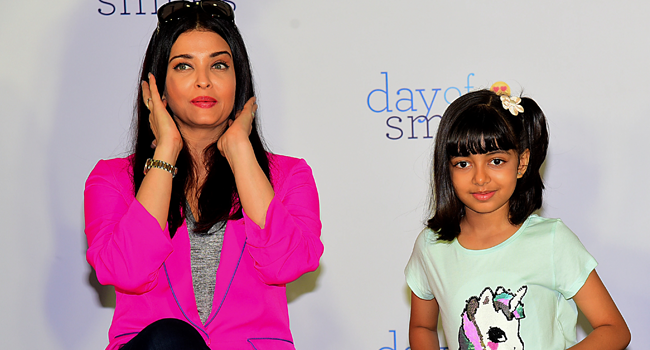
[[491, 320]]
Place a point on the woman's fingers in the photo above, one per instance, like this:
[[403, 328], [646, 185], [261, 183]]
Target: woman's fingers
[[238, 130], [154, 95], [245, 117], [254, 110], [162, 125], [251, 106], [249, 109], [146, 98], [146, 94], [150, 95], [164, 102]]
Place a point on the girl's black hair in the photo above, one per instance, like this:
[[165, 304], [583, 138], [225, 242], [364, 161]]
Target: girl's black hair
[[477, 123], [218, 199]]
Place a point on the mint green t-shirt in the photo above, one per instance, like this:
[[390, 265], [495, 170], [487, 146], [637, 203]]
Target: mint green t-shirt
[[516, 295]]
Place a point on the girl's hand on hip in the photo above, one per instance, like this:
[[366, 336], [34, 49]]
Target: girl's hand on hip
[[235, 138], [168, 139]]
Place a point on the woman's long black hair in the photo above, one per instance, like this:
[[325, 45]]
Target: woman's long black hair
[[218, 199], [477, 123]]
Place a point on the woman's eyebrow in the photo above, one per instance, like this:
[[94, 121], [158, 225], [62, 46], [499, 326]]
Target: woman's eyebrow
[[219, 53], [188, 56], [185, 55]]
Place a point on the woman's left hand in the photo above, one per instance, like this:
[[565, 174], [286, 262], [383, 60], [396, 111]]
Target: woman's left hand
[[253, 187], [235, 138]]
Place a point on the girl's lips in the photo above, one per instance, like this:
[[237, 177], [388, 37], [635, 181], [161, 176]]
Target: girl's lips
[[204, 102], [483, 196]]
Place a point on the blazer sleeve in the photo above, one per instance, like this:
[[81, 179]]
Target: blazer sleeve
[[289, 244], [126, 246]]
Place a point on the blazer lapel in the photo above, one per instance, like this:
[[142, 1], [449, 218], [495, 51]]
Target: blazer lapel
[[179, 273]]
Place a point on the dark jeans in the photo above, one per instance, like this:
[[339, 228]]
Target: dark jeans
[[167, 334]]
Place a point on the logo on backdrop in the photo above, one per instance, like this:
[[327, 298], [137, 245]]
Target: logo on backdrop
[[409, 112], [136, 7], [394, 345]]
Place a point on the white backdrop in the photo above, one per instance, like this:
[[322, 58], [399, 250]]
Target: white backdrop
[[67, 83]]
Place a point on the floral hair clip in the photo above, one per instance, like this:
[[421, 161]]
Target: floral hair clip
[[511, 103]]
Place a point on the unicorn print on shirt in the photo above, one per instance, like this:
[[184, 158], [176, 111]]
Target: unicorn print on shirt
[[491, 321]]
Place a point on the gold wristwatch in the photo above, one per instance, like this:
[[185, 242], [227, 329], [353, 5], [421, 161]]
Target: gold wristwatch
[[155, 163]]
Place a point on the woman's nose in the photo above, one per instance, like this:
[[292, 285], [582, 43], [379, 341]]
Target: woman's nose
[[203, 80]]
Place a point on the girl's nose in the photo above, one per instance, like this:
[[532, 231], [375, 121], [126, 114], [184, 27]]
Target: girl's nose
[[481, 177]]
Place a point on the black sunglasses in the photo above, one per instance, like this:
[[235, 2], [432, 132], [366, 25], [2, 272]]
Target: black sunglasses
[[176, 10]]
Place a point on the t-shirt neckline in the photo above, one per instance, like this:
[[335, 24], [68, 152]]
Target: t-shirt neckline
[[499, 246]]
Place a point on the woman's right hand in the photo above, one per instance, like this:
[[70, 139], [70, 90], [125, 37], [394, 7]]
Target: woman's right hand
[[168, 141], [155, 191]]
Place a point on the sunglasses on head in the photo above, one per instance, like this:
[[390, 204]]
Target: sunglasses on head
[[176, 10]]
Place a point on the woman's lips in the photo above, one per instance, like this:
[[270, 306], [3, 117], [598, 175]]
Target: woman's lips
[[483, 196], [204, 102]]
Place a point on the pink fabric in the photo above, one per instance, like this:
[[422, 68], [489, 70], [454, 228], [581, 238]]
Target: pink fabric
[[152, 273]]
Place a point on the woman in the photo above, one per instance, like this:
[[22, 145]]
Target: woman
[[209, 195]]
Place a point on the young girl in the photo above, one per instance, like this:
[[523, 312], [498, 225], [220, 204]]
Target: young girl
[[500, 276]]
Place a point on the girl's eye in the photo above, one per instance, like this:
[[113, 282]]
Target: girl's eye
[[497, 161], [462, 164], [182, 66], [220, 66]]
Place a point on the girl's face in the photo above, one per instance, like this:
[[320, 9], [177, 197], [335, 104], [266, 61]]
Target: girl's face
[[200, 85], [485, 182]]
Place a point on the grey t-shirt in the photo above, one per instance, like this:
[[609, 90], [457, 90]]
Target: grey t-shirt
[[205, 254]]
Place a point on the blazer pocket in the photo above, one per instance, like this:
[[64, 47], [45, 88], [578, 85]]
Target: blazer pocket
[[270, 344]]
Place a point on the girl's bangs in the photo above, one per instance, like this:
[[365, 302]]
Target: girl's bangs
[[479, 131]]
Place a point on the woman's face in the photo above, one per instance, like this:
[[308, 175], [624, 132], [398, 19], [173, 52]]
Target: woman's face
[[200, 85]]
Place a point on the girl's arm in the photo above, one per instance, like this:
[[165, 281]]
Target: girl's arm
[[423, 327], [254, 189], [610, 330]]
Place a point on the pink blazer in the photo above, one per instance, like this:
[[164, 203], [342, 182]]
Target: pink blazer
[[152, 273]]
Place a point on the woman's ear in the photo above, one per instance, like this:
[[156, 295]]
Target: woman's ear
[[524, 157]]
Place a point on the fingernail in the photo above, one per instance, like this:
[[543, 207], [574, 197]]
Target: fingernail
[[149, 75]]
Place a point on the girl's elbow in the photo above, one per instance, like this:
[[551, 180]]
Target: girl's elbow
[[619, 335], [625, 336], [622, 333]]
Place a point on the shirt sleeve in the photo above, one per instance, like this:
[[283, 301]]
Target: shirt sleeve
[[289, 244], [572, 263], [417, 269], [126, 246]]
